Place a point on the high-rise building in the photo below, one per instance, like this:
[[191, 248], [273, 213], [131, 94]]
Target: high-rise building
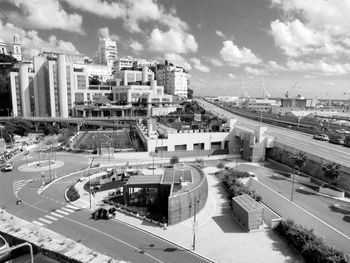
[[17, 48], [107, 52], [173, 78], [3, 48]]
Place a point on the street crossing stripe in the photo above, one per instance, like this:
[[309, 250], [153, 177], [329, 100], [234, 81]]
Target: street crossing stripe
[[55, 214], [62, 212], [45, 221], [38, 223], [73, 207], [51, 217], [68, 210]]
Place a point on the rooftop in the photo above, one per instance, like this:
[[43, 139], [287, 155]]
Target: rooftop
[[247, 203]]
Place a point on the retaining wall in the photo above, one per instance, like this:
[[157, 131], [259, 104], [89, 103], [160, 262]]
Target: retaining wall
[[287, 209], [181, 207]]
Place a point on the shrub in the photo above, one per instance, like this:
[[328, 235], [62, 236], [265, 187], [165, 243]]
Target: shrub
[[308, 244], [72, 194], [174, 160]]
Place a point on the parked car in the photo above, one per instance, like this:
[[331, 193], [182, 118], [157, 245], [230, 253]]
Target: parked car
[[322, 137], [9, 167], [337, 140], [104, 213]]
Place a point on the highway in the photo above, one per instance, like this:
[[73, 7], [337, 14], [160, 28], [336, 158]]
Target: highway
[[50, 210], [302, 141]]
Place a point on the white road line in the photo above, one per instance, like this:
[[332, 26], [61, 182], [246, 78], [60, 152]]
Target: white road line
[[73, 207], [38, 223], [57, 215], [68, 210], [62, 212], [44, 220], [51, 217]]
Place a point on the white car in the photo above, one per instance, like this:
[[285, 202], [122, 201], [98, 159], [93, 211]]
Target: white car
[[9, 167]]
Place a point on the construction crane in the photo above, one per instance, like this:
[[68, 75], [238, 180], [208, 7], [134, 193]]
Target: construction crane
[[287, 93], [329, 99]]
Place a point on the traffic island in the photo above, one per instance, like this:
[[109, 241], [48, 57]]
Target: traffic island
[[49, 243]]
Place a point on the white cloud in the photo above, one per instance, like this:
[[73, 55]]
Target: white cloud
[[322, 27], [220, 34], [216, 62], [254, 71], [171, 41], [104, 31], [132, 12], [31, 42], [136, 46], [236, 56], [177, 60], [307, 76], [274, 66], [199, 66], [318, 67], [44, 14], [232, 76]]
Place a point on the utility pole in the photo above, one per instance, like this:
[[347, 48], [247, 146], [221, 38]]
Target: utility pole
[[194, 224], [92, 160]]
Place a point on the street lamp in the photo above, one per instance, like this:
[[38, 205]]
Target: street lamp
[[195, 227], [209, 147]]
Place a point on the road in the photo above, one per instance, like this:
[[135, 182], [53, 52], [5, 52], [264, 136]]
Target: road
[[50, 210], [317, 205], [302, 141]]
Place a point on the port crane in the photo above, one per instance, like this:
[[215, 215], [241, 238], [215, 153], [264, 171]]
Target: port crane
[[293, 87]]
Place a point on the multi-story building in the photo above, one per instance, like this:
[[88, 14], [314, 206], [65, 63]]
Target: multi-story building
[[260, 105], [17, 48], [173, 78], [129, 62], [107, 52], [3, 48]]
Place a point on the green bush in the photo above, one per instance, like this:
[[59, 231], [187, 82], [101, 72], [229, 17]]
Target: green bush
[[308, 244], [72, 194]]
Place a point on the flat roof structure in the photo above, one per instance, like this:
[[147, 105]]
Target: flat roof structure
[[247, 203], [142, 180]]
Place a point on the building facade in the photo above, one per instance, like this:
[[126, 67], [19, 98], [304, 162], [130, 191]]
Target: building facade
[[174, 79], [17, 48], [107, 52]]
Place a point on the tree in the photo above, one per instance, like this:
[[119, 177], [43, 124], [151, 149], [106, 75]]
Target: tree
[[94, 80], [174, 160], [299, 161], [190, 93], [331, 171], [221, 165]]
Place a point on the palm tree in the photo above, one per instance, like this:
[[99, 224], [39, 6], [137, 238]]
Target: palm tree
[[331, 171], [299, 161]]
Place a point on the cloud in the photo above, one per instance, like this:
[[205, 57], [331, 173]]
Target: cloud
[[104, 31], [132, 12], [44, 14], [171, 41], [315, 27], [220, 34], [232, 76], [254, 71], [177, 60], [136, 46], [318, 66], [216, 62], [235, 56], [307, 76], [32, 43], [199, 66]]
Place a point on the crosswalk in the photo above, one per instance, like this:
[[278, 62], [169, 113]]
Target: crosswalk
[[18, 185], [55, 215]]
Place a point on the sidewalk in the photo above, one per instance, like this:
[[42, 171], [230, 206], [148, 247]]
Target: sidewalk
[[218, 238]]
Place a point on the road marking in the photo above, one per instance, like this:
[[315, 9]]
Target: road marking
[[73, 207], [37, 223], [68, 210], [51, 217], [55, 214], [45, 221], [62, 212], [18, 185]]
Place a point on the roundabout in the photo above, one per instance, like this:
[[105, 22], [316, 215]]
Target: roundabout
[[39, 166]]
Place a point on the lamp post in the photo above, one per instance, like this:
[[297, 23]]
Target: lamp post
[[92, 160], [209, 147], [292, 194], [194, 224]]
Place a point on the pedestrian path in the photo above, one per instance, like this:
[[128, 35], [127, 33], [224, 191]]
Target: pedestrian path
[[18, 185], [56, 215]]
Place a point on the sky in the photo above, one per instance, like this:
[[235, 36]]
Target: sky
[[295, 46]]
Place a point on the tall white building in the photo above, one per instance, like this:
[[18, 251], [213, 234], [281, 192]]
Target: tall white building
[[17, 48], [174, 79], [3, 48], [107, 52]]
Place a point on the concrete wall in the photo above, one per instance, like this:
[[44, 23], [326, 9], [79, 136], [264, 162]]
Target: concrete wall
[[327, 191], [181, 207], [287, 209]]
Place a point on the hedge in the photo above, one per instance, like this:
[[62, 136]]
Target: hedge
[[72, 194], [310, 246]]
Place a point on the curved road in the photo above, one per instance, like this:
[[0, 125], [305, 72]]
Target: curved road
[[302, 141], [110, 237]]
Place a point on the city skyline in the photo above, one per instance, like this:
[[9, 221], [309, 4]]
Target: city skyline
[[225, 45]]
